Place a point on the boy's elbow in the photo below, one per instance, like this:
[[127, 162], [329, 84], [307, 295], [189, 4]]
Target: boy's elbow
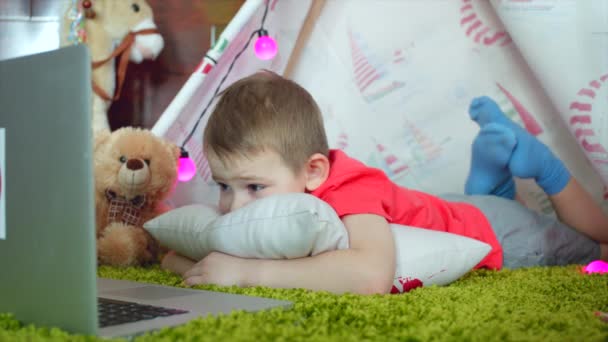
[[375, 288], [376, 283]]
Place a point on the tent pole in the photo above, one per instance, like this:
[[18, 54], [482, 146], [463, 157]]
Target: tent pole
[[311, 18]]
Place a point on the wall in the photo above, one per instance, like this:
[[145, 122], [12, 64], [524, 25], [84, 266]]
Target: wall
[[31, 26]]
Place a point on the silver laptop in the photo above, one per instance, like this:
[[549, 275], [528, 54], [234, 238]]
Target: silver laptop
[[47, 235]]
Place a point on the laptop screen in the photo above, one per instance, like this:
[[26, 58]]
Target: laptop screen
[[47, 232]]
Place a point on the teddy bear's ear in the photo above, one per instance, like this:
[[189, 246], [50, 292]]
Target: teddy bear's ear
[[101, 137]]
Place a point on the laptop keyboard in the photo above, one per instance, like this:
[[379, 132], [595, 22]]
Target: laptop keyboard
[[113, 312]]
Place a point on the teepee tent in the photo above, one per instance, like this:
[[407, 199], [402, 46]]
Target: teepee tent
[[394, 79]]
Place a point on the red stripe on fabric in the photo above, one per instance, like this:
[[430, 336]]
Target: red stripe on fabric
[[471, 28], [586, 92]]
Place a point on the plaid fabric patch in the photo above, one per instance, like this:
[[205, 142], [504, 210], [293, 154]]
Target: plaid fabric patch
[[124, 210]]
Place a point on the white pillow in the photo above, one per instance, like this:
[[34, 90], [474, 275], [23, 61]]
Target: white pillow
[[297, 225], [277, 227]]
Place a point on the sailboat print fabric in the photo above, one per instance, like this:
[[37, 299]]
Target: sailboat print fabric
[[394, 79]]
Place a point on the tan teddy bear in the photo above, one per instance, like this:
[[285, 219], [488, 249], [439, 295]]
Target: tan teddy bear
[[116, 32], [134, 172]]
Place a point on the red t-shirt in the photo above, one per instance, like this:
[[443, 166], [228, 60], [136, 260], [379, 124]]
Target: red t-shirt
[[354, 188]]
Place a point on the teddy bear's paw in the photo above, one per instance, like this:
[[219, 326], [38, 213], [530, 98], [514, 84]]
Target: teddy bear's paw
[[122, 245]]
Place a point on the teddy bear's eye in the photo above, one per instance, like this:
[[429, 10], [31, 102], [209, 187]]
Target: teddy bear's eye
[[123, 159], [135, 7], [147, 161]]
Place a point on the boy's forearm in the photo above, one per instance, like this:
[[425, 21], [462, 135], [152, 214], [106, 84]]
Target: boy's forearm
[[367, 267], [340, 271]]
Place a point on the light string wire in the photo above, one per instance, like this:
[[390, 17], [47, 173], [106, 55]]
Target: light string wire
[[219, 86]]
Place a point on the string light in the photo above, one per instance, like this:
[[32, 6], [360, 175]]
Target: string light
[[265, 47], [597, 266], [186, 166]]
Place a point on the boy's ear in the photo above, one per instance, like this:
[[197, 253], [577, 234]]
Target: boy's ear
[[317, 171]]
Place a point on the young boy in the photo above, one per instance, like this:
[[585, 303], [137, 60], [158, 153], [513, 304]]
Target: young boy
[[266, 136]]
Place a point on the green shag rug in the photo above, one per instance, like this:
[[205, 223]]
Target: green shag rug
[[536, 304]]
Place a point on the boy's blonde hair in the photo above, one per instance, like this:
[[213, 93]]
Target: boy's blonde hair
[[266, 112]]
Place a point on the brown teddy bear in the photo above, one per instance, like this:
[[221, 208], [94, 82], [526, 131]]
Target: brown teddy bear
[[134, 172]]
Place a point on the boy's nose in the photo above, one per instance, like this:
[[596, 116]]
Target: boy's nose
[[238, 202]]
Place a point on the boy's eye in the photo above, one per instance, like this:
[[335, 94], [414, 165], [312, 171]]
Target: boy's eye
[[223, 187], [255, 187]]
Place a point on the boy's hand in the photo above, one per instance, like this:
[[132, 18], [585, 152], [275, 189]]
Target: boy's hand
[[176, 263], [219, 269]]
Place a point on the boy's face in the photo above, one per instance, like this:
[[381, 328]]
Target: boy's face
[[244, 179]]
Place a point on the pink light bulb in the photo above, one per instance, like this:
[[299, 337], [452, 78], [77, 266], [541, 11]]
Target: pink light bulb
[[186, 169], [265, 47], [597, 266]]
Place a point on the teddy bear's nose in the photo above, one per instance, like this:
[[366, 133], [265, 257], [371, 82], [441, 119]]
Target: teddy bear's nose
[[135, 164]]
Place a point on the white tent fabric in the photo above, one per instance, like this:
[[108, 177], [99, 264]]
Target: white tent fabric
[[394, 79]]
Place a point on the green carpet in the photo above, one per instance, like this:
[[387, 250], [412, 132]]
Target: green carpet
[[537, 304]]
